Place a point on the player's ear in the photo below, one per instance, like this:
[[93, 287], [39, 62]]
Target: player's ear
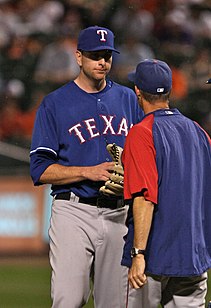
[[78, 55]]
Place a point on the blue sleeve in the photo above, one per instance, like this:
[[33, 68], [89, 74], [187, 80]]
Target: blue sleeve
[[45, 128], [44, 145], [39, 162]]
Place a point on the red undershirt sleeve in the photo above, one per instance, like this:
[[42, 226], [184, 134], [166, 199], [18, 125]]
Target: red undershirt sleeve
[[139, 160]]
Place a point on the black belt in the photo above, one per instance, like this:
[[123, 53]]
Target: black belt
[[111, 203]]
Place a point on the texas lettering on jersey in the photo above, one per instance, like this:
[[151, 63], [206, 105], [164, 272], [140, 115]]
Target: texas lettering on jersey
[[89, 126]]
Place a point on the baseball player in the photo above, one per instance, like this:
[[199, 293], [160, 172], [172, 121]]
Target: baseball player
[[167, 175], [73, 126]]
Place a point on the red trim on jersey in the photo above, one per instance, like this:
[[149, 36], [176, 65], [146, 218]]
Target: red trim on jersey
[[139, 159]]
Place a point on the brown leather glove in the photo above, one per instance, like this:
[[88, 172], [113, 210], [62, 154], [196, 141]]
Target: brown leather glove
[[114, 186]]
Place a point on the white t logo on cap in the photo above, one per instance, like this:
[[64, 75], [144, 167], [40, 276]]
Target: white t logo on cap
[[102, 33]]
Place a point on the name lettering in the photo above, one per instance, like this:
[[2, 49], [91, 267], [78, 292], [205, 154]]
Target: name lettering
[[89, 125]]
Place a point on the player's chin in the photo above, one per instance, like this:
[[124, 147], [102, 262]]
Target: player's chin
[[100, 77], [101, 74]]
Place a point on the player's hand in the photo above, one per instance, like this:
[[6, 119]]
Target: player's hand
[[114, 186], [136, 275], [101, 172]]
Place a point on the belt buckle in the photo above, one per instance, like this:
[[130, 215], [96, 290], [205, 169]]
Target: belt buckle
[[99, 202], [103, 202], [120, 203], [112, 204]]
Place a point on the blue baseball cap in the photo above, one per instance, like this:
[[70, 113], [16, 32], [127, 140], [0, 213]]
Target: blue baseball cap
[[96, 38], [152, 76]]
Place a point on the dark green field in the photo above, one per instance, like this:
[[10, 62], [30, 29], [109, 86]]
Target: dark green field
[[25, 283]]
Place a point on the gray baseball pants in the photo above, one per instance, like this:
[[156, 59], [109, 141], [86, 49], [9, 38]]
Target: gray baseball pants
[[87, 241], [172, 292]]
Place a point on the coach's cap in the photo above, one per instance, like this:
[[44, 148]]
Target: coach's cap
[[96, 38], [152, 76]]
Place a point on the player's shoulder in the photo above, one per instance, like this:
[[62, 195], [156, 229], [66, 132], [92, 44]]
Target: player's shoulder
[[61, 91], [57, 96]]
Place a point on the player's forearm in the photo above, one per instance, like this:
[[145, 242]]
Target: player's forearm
[[60, 175], [142, 213]]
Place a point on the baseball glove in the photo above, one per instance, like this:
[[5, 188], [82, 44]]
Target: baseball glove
[[114, 186]]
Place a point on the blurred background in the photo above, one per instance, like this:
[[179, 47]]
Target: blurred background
[[37, 45]]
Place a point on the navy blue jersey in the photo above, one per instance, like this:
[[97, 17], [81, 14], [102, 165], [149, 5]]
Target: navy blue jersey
[[168, 157], [72, 128]]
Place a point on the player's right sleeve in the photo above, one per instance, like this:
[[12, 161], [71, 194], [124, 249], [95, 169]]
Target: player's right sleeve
[[39, 162], [44, 145]]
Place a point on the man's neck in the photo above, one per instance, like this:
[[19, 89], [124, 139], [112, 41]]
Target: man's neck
[[90, 86], [147, 107]]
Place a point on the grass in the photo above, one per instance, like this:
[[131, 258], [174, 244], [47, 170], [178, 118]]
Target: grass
[[25, 283]]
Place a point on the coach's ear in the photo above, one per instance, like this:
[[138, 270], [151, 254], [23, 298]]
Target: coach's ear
[[78, 55], [137, 91]]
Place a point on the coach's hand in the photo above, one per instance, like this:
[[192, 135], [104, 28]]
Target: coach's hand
[[136, 275], [114, 186]]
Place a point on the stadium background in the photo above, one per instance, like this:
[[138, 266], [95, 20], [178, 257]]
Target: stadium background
[[37, 45]]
